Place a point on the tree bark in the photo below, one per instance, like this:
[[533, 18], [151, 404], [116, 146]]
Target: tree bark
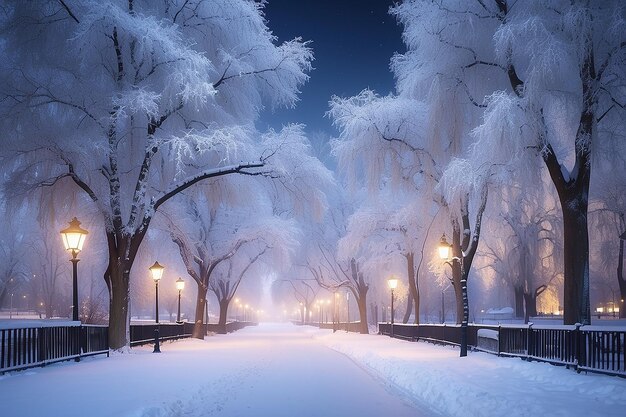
[[519, 300], [409, 308], [530, 302], [576, 264], [221, 324], [413, 291], [573, 188], [119, 319], [361, 301], [360, 293], [198, 325]]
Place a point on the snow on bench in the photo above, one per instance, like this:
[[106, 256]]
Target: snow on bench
[[488, 340]]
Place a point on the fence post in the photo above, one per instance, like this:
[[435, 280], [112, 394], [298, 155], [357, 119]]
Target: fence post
[[529, 342], [40, 345], [499, 338], [579, 354]]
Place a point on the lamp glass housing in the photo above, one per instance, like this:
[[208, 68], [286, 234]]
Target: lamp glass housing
[[180, 284], [445, 249], [392, 282], [74, 236], [157, 271]]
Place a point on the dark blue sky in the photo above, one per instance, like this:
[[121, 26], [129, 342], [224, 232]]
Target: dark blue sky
[[352, 40]]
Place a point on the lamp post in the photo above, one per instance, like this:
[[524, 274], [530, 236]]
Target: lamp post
[[73, 239], [393, 283], [180, 285], [445, 253], [157, 273]]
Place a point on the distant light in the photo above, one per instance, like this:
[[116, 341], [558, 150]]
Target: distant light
[[180, 284]]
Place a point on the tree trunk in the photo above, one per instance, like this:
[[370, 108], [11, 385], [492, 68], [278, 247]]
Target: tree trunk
[[122, 252], [361, 301], [573, 191], [413, 292], [119, 320], [576, 261], [530, 302], [221, 325], [198, 326], [409, 308], [456, 272], [519, 300]]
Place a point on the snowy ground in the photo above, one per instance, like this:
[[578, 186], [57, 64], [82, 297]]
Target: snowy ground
[[284, 370]]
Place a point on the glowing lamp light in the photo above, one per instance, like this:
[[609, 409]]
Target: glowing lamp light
[[445, 249], [157, 271], [392, 282], [74, 236], [180, 284]]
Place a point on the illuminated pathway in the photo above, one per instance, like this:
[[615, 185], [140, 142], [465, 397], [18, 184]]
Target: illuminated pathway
[[295, 375]]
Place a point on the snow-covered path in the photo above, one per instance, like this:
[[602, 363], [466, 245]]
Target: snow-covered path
[[272, 370]]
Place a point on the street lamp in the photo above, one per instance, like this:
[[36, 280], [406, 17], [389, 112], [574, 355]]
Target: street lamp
[[180, 285], [157, 273], [445, 253], [73, 239], [393, 283]]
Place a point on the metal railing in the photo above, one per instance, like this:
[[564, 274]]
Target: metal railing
[[583, 348], [353, 326], [143, 334], [39, 345], [27, 347]]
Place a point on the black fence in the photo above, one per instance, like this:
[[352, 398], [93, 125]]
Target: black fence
[[354, 326], [142, 334], [38, 346], [28, 347], [584, 348]]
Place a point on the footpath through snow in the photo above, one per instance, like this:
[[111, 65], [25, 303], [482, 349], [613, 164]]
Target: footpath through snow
[[284, 370]]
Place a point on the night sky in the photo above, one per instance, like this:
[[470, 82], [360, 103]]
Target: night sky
[[353, 42]]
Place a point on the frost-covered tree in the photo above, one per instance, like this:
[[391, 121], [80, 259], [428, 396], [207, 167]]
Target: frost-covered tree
[[608, 219], [13, 249], [134, 102], [548, 75], [388, 228], [321, 260], [405, 142], [215, 234], [525, 245]]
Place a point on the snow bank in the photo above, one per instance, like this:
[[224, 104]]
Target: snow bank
[[26, 324], [482, 385]]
